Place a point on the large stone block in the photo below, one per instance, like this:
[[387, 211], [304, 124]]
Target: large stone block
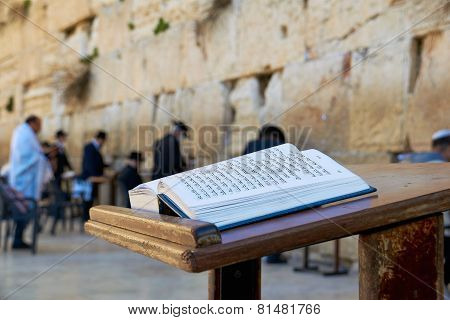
[[269, 34], [273, 100], [9, 78], [172, 107], [8, 34], [338, 20], [194, 67], [216, 39], [65, 14], [106, 82], [38, 101], [144, 11], [429, 107], [78, 125], [6, 130], [135, 117], [189, 10], [246, 102], [162, 56], [112, 28], [377, 101], [314, 106], [210, 114], [36, 63]]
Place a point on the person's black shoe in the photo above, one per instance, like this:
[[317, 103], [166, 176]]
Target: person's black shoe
[[21, 245]]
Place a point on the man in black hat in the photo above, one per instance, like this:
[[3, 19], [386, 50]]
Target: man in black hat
[[167, 156], [269, 136], [62, 162], [129, 177], [92, 164], [92, 168]]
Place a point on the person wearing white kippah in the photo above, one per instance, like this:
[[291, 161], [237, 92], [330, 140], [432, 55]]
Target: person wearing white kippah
[[440, 142]]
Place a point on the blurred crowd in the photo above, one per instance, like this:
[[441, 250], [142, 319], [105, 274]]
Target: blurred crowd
[[36, 167]]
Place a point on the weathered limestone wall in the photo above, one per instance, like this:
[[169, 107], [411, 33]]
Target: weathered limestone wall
[[229, 62]]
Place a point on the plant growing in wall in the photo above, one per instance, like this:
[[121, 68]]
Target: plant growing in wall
[[18, 9], [161, 27], [131, 25], [76, 80], [26, 7], [90, 57], [10, 104], [77, 88]]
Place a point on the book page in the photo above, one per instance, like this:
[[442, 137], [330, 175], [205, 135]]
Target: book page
[[152, 185], [143, 197], [270, 169]]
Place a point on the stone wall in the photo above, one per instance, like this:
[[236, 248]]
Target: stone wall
[[365, 77]]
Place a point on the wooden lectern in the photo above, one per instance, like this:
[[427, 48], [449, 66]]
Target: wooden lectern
[[400, 232]]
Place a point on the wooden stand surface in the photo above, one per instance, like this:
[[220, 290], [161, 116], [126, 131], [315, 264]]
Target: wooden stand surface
[[400, 246]]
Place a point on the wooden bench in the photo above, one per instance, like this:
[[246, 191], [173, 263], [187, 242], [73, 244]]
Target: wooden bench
[[400, 232]]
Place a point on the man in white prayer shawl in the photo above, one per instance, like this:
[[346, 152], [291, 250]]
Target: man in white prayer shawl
[[29, 168]]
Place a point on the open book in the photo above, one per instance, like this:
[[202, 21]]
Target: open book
[[250, 188]]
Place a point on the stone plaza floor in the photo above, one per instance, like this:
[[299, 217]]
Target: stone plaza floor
[[103, 271]]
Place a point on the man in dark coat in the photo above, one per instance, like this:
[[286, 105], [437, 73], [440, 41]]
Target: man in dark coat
[[92, 168], [93, 164], [168, 159], [62, 161], [129, 177], [269, 136]]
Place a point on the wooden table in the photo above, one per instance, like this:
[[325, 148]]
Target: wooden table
[[400, 232]]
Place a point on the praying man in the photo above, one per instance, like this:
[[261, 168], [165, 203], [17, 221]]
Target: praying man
[[29, 169]]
